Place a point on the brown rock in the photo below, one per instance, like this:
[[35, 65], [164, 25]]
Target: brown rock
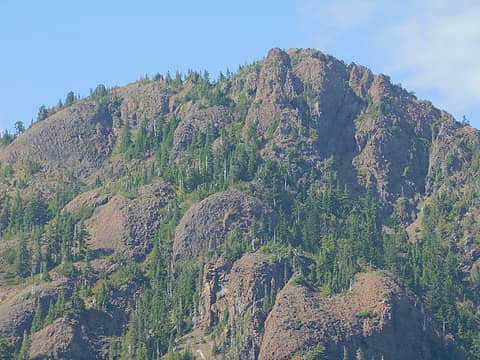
[[122, 225], [196, 120], [17, 307], [206, 225], [375, 315], [241, 292], [78, 137]]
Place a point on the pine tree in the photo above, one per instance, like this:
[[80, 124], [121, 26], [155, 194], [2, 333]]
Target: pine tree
[[3, 349], [359, 354], [22, 259], [141, 140], [78, 304], [126, 138], [51, 315], [70, 98], [45, 274], [24, 353], [60, 304], [42, 113], [37, 322]]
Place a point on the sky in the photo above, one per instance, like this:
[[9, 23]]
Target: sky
[[51, 47]]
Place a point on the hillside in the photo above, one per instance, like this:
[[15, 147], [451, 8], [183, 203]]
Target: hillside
[[300, 208]]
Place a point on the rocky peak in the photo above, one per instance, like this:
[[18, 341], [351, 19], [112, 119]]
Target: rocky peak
[[360, 80], [276, 83]]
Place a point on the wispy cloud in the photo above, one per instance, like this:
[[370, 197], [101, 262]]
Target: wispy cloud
[[431, 46], [440, 51]]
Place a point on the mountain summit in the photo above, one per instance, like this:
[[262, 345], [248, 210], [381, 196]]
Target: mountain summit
[[300, 208]]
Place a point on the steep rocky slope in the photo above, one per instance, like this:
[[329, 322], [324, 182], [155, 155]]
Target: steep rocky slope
[[221, 218], [18, 305], [371, 316], [237, 298], [77, 137]]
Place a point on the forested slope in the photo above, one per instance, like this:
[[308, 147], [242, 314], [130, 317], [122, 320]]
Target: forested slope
[[297, 208]]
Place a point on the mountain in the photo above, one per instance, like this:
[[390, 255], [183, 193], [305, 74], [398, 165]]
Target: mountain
[[300, 208]]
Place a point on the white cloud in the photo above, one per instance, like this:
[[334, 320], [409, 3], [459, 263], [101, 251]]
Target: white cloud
[[439, 50], [431, 46]]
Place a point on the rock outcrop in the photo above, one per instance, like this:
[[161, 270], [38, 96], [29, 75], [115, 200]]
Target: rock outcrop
[[375, 316], [18, 305], [63, 339], [238, 298], [123, 225], [205, 226], [80, 337], [78, 137], [197, 121]]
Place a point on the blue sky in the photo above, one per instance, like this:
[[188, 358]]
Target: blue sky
[[48, 48]]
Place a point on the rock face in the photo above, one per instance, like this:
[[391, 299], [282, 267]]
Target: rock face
[[371, 317], [377, 133], [243, 290], [275, 86], [197, 121], [450, 154], [261, 314], [79, 136], [206, 225], [75, 337], [141, 101], [122, 225], [63, 339], [17, 307]]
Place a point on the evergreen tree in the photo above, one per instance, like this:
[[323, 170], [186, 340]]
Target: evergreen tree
[[24, 353], [141, 140], [77, 302], [100, 93], [37, 322], [70, 98], [3, 349], [19, 127], [22, 259], [126, 137], [42, 113]]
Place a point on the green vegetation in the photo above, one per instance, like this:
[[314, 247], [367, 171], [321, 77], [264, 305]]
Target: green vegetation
[[366, 314], [323, 232], [317, 353], [24, 353]]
